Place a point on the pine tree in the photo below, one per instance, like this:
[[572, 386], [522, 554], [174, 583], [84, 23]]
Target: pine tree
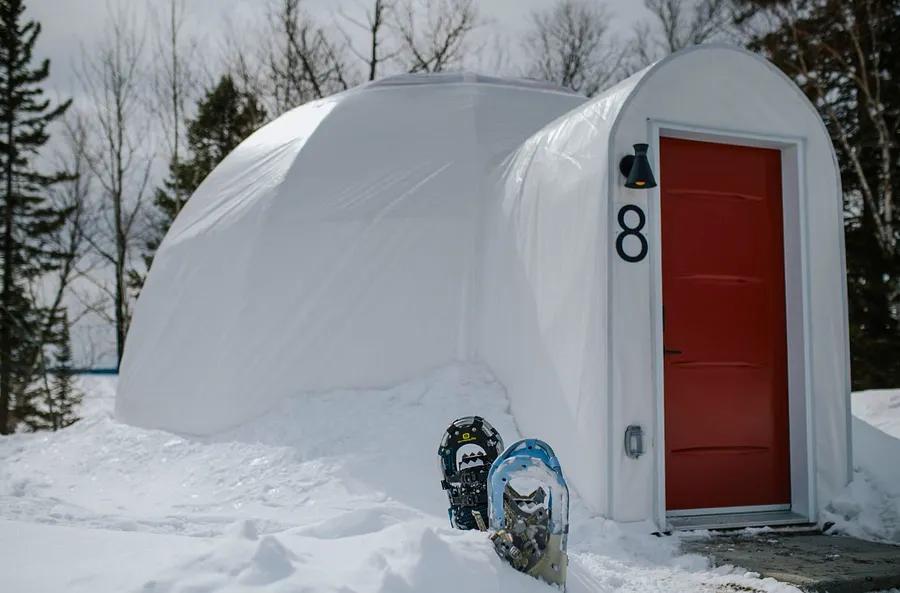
[[63, 398], [225, 116], [53, 401], [26, 216]]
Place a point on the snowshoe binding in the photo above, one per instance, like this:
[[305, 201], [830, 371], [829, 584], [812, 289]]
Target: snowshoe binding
[[469, 447], [529, 511]]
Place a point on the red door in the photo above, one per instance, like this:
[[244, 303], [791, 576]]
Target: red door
[[726, 397]]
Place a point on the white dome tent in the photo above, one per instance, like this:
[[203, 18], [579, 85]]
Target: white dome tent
[[333, 247], [368, 237]]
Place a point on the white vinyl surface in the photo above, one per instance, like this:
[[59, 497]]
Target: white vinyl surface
[[367, 238]]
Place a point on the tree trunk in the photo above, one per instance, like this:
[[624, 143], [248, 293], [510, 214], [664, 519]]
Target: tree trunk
[[6, 304], [6, 299]]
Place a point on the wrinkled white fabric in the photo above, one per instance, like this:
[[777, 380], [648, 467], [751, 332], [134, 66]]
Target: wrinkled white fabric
[[335, 247]]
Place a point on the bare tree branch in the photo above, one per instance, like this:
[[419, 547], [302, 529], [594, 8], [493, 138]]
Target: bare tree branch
[[821, 67], [119, 159], [174, 79], [570, 45], [437, 38], [677, 24], [303, 62], [374, 26]]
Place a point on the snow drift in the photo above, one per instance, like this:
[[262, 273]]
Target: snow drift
[[307, 498], [870, 505]]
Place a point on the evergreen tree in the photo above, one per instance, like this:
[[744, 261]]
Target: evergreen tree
[[26, 215], [843, 55], [63, 398], [225, 116], [54, 400]]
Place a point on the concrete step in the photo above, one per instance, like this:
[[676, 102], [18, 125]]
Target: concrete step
[[738, 520], [810, 561]]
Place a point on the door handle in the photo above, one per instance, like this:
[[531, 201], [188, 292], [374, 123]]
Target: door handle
[[671, 352]]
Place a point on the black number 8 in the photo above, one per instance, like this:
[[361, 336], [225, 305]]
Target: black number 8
[[633, 231]]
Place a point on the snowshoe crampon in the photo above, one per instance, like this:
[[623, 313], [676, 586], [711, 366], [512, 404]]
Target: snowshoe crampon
[[469, 447], [529, 511]]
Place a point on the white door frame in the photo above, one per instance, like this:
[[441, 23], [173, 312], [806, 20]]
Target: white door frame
[[796, 271]]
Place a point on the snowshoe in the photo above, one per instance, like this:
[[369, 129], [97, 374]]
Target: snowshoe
[[529, 511], [469, 447]]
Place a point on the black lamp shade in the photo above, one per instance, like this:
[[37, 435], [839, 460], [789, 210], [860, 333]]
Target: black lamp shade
[[636, 168]]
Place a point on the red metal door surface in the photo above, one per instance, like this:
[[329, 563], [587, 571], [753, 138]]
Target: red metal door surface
[[726, 395]]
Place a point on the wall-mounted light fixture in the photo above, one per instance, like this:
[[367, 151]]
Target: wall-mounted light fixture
[[636, 169]]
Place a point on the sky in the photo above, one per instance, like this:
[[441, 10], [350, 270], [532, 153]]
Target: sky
[[71, 28]]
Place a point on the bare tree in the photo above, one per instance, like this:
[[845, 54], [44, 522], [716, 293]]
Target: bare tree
[[677, 24], [437, 38], [72, 196], [119, 158], [173, 78], [570, 44], [839, 54], [495, 56], [246, 62], [303, 62], [375, 25]]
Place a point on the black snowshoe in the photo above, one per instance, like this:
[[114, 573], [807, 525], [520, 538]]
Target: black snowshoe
[[469, 447]]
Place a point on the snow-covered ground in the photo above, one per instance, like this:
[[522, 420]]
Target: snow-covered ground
[[331, 492], [870, 506], [880, 408]]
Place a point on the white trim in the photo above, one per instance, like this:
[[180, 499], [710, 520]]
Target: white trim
[[811, 511], [793, 149], [655, 215], [729, 510], [611, 451], [845, 300]]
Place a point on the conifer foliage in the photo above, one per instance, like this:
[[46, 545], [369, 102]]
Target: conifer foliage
[[843, 54], [62, 397], [27, 218], [225, 116]]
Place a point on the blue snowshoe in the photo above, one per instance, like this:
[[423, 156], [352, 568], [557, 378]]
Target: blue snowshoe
[[469, 447], [529, 511]]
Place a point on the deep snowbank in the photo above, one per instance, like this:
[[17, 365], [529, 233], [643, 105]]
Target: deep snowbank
[[870, 506], [331, 492]]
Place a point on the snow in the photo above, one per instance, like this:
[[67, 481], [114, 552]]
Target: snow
[[880, 408], [330, 492], [869, 507]]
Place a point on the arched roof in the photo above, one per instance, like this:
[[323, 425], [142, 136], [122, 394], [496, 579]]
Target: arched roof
[[464, 78]]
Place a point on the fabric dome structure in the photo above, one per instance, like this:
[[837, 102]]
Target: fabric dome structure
[[683, 346], [333, 248]]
